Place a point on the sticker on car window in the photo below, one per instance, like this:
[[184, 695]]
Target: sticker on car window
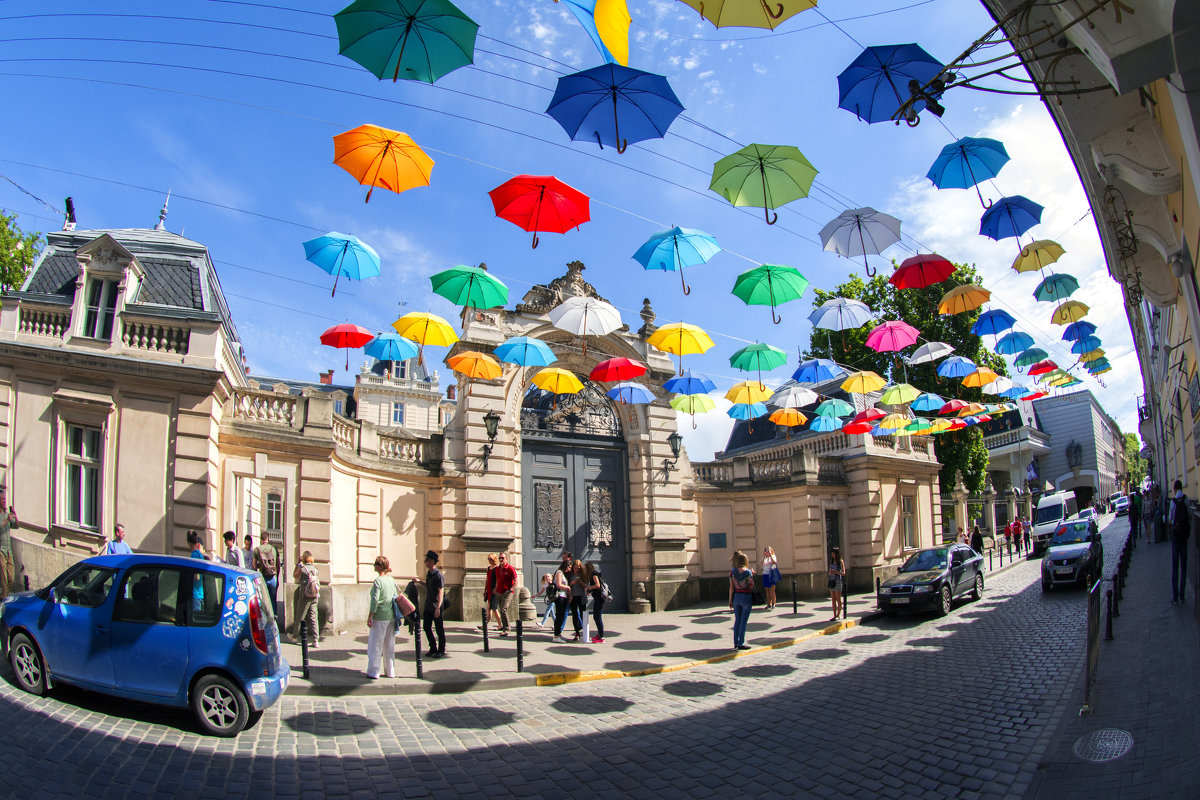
[[243, 586]]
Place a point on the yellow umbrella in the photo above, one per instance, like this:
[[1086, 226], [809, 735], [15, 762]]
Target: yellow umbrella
[[474, 364], [971, 409], [967, 297], [980, 377], [557, 381], [1092, 355], [1037, 255], [748, 392], [862, 382], [939, 425], [1068, 312], [380, 157], [788, 416], [424, 328], [895, 422], [680, 339], [749, 13]]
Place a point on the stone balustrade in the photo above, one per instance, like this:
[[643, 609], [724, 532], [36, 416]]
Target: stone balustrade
[[771, 470], [53, 322], [155, 337], [346, 432], [265, 407], [713, 472], [396, 448]]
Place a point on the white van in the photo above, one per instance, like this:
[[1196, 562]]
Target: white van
[[1051, 511]]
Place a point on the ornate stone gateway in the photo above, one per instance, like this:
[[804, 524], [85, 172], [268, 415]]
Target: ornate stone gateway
[[574, 488]]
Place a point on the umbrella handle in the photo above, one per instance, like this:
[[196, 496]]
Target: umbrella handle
[[767, 216], [986, 203], [693, 422], [773, 14], [775, 317], [686, 289], [535, 240], [624, 144], [870, 270], [369, 194]]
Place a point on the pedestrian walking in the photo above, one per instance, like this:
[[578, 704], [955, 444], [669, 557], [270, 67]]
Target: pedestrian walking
[[1135, 513], [547, 595], [741, 597], [1179, 521], [599, 591], [435, 603], [234, 555], [579, 616], [381, 621], [304, 601], [117, 546], [7, 565], [769, 569], [266, 561], [248, 551], [504, 583], [562, 596], [1026, 529], [977, 539], [493, 618], [837, 580]]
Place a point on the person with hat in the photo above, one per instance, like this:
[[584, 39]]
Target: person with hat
[[435, 596]]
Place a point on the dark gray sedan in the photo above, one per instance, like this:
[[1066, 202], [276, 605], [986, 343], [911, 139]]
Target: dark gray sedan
[[1074, 555], [932, 579]]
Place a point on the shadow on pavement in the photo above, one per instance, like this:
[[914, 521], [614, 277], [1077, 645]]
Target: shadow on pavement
[[591, 704], [329, 723]]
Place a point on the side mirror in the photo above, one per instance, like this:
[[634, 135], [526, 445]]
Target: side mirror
[[53, 595]]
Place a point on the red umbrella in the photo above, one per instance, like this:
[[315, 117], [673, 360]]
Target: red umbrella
[[617, 369], [957, 424], [920, 271], [953, 407], [1035, 395], [1042, 367], [868, 415], [348, 336], [857, 427], [891, 336], [540, 203]]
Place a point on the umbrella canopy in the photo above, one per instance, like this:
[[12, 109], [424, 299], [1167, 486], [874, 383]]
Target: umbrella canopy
[[993, 322], [474, 364], [748, 392], [614, 105], [965, 163], [1092, 355], [1068, 312], [1037, 255], [1014, 342], [875, 85], [1099, 366], [859, 232], [862, 382], [1030, 357], [747, 410], [1086, 344], [894, 422], [540, 203], [953, 406], [840, 313], [607, 23], [346, 336], [675, 249], [1009, 217], [927, 402], [826, 424], [1077, 330], [757, 358], [899, 394], [389, 346], [929, 352], [690, 383], [792, 396], [919, 426], [817, 370], [834, 408], [770, 284], [585, 316], [921, 271], [1015, 392], [1056, 286], [1043, 367], [967, 297], [998, 386], [381, 157], [680, 339], [788, 417], [857, 427], [342, 254], [763, 176], [617, 369], [470, 286], [956, 367], [557, 381], [419, 40], [631, 393], [693, 403], [424, 328], [979, 377], [525, 352], [891, 336], [869, 415], [971, 409], [749, 13]]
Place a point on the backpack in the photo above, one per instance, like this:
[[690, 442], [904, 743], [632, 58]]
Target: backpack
[[264, 557], [312, 588], [1181, 524], [604, 591]]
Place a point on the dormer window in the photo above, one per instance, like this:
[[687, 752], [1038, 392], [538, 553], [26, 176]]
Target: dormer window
[[101, 308], [400, 369]]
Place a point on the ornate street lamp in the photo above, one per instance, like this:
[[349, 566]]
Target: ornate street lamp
[[491, 424], [676, 442]]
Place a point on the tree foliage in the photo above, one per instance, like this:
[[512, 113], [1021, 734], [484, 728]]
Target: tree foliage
[[1135, 466], [958, 451], [18, 251]]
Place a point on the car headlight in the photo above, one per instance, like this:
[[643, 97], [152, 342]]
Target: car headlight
[[1046, 562], [923, 588]]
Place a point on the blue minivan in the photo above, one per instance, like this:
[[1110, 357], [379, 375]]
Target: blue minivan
[[159, 629]]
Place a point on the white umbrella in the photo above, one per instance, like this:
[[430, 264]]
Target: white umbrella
[[791, 395], [859, 232], [1000, 385], [931, 351], [585, 316]]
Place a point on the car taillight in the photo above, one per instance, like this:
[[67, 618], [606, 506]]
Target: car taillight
[[257, 632]]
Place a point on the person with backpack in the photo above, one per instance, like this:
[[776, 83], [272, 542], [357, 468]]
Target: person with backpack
[[308, 589], [266, 561], [600, 594], [1179, 520], [741, 597]]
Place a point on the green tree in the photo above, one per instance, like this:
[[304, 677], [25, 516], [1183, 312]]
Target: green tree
[[958, 451], [18, 251], [1135, 465]]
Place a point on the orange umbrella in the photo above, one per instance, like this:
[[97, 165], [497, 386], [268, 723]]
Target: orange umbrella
[[474, 364], [380, 157], [967, 297], [980, 377]]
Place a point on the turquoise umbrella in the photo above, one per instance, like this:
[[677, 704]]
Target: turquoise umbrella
[[417, 40], [1014, 342], [747, 410], [674, 249], [1030, 357], [834, 408], [1055, 288], [526, 352], [824, 424], [390, 346], [758, 357], [927, 402]]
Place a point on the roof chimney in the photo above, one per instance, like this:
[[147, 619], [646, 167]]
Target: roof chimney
[[327, 378], [69, 222]]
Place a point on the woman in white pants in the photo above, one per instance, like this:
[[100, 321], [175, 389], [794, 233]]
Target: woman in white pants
[[381, 622]]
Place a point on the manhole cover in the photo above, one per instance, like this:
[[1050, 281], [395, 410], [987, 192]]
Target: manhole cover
[[1103, 745]]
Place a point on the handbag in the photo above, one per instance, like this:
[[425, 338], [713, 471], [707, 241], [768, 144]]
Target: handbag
[[402, 607]]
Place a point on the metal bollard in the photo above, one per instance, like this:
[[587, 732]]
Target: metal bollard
[[1108, 634], [795, 600], [845, 597], [417, 642], [520, 646], [1116, 600], [27, 583], [304, 646], [484, 612], [989, 560], [878, 583]]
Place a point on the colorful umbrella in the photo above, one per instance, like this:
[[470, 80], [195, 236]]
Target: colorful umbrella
[[993, 322], [418, 40], [869, 415], [380, 157], [862, 382], [876, 84], [474, 365], [614, 105], [840, 313], [928, 402], [1030, 357], [791, 395], [470, 286], [1092, 355], [1098, 367], [631, 393], [342, 254], [1016, 392], [584, 317], [788, 417], [967, 297], [763, 176], [1037, 255], [895, 422], [424, 328], [979, 377], [997, 386], [817, 370], [859, 232], [390, 346], [899, 394], [891, 336], [675, 249], [607, 23], [921, 271], [525, 352], [1035, 395], [346, 336], [1086, 344], [857, 427], [557, 381], [971, 409], [1010, 217], [834, 407], [825, 424], [749, 13], [1068, 312], [693, 403], [1042, 367], [745, 411], [918, 427], [965, 163], [689, 383], [540, 203], [770, 284], [680, 339], [1013, 343], [929, 352], [953, 406], [956, 367], [1056, 286], [617, 369], [1078, 330], [748, 392], [757, 358]]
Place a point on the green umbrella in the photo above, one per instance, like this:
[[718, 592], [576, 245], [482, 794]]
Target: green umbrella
[[764, 176], [470, 286], [900, 394], [418, 40], [758, 357], [770, 285], [1030, 357], [1055, 287], [834, 408]]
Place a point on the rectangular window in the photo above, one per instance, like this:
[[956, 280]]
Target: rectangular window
[[150, 595], [87, 586], [101, 308], [909, 520], [82, 464], [400, 370], [397, 413], [274, 513], [337, 407]]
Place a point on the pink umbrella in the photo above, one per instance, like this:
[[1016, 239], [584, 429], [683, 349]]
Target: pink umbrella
[[891, 336]]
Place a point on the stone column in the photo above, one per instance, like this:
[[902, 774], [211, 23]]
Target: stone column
[[989, 507], [960, 505]]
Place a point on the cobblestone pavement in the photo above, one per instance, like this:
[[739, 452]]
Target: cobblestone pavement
[[962, 706]]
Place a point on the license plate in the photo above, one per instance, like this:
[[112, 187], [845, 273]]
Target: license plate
[[1064, 571], [900, 600]]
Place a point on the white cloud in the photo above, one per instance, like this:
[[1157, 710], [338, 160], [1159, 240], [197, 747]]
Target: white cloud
[[710, 434]]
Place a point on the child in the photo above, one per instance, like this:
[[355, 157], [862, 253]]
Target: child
[[547, 594]]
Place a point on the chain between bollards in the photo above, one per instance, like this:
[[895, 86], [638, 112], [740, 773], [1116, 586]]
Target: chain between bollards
[[520, 646], [795, 600]]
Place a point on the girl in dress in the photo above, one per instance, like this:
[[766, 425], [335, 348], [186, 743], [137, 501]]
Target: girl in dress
[[769, 569], [837, 580]]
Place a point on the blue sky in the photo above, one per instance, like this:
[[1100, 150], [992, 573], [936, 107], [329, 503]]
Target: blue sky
[[232, 107]]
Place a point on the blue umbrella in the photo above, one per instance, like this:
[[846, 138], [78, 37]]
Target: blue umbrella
[[965, 163], [817, 370], [927, 402], [1013, 343], [1009, 217], [689, 383], [1085, 345], [826, 424], [1078, 330], [1016, 391], [630, 392], [1097, 366], [993, 322], [390, 346], [956, 367], [614, 105], [747, 410], [342, 254], [876, 84], [676, 249], [526, 352]]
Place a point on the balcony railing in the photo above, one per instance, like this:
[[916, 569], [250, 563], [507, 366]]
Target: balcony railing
[[52, 322], [265, 407], [155, 337]]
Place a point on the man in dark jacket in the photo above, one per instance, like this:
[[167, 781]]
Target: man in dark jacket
[[1180, 524]]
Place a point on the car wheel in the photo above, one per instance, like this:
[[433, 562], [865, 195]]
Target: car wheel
[[977, 589], [1045, 587], [27, 664], [220, 706], [947, 602]]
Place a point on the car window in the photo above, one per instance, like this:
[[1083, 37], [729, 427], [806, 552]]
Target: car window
[[208, 593], [1070, 534], [150, 594], [926, 560], [88, 587], [1048, 513]]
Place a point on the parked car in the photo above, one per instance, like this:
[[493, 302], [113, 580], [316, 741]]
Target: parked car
[[1074, 555], [1121, 505], [159, 629], [1093, 519], [932, 578]]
